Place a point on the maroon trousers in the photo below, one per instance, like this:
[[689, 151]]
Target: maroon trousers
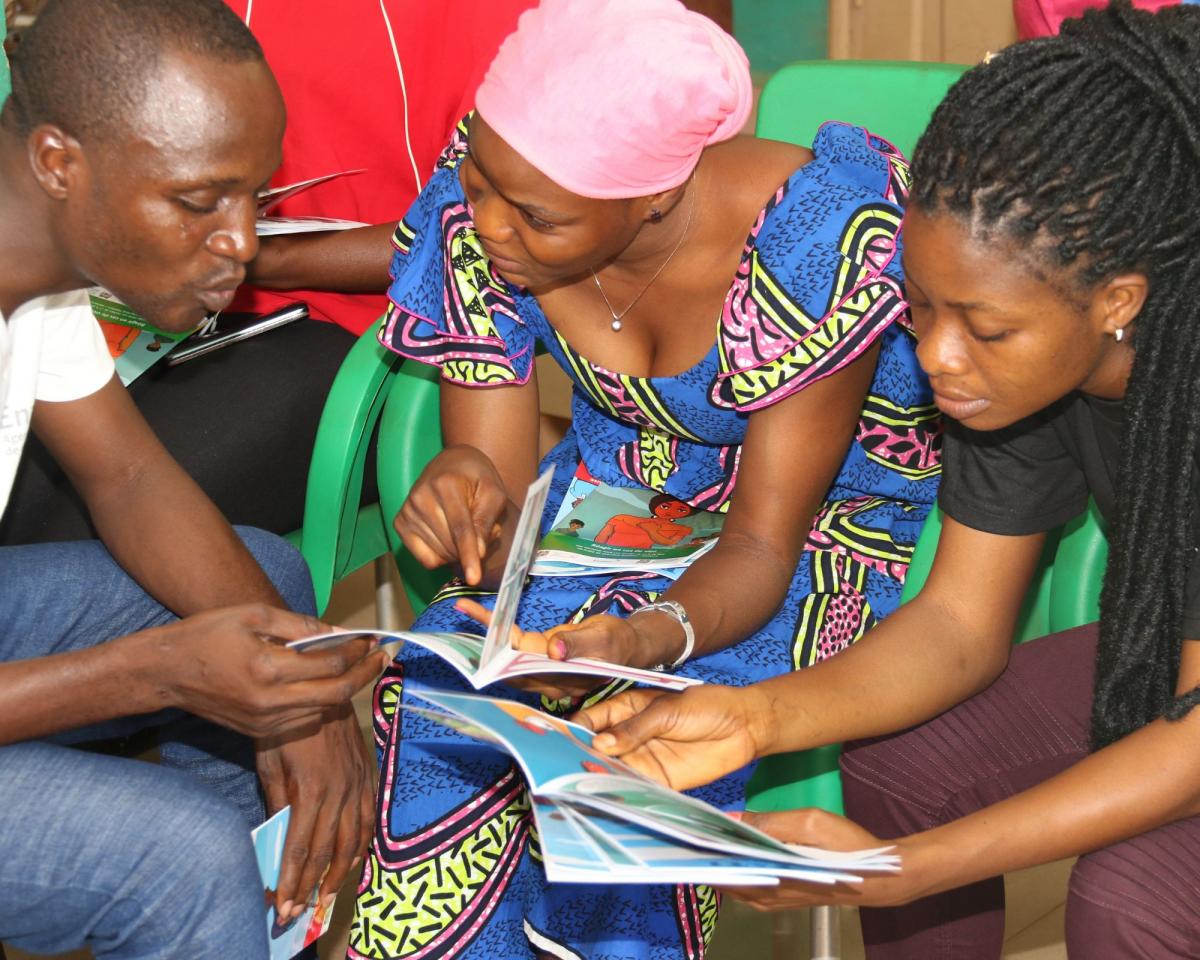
[[1137, 899]]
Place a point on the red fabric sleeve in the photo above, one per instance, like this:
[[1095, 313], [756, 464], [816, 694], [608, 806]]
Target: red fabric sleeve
[[346, 110], [1042, 18]]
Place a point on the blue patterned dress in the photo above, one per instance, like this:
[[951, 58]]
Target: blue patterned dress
[[454, 869]]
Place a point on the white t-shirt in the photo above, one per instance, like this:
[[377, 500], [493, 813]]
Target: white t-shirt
[[50, 349]]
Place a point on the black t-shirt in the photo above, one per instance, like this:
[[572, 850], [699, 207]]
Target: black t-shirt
[[1038, 474]]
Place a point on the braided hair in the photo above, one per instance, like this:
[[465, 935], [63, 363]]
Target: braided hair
[[1085, 148]]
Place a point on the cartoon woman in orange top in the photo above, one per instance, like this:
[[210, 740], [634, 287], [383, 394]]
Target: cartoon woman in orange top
[[659, 529]]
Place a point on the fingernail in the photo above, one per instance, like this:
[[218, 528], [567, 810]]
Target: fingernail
[[328, 901], [604, 741], [558, 649], [734, 814], [286, 909]]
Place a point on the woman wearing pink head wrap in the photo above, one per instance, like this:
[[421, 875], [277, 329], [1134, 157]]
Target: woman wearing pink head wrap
[[730, 313], [643, 89]]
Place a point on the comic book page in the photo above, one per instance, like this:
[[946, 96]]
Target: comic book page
[[547, 748], [648, 832], [606, 529], [134, 344], [464, 651], [607, 849], [520, 554]]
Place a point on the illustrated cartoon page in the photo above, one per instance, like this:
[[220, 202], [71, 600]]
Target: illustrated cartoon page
[[483, 660]]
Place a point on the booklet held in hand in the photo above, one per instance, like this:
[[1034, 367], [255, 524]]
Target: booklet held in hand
[[490, 658]]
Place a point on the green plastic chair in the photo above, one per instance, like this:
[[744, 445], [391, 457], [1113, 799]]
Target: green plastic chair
[[1065, 591], [891, 98], [894, 100], [5, 78], [373, 388]]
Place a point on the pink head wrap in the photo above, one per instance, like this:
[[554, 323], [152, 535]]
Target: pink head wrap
[[616, 98], [1042, 18]]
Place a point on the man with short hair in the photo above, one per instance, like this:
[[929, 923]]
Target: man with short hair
[[136, 137]]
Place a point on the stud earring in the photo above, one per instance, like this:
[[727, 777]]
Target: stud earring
[[1119, 334], [655, 215]]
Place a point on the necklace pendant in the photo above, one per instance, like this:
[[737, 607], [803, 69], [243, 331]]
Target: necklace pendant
[[616, 325]]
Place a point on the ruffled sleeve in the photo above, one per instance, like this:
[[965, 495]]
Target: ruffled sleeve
[[447, 306], [820, 278]]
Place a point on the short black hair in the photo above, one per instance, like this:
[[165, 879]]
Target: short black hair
[[85, 65], [1085, 148]]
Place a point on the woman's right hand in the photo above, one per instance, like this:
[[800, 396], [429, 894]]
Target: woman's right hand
[[454, 512], [683, 740]]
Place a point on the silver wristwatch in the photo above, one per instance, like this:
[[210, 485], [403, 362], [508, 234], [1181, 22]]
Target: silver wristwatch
[[673, 609]]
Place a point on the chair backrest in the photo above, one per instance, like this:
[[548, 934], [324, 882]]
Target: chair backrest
[[894, 101], [891, 99], [1065, 591], [338, 536], [410, 435], [376, 396], [5, 79]]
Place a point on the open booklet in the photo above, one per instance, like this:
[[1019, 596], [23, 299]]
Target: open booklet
[[487, 659], [604, 529], [600, 821], [272, 197], [269, 199], [279, 226]]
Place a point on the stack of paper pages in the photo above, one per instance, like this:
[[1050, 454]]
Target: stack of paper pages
[[268, 200], [600, 821]]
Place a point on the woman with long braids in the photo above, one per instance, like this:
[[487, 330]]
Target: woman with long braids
[[1052, 261]]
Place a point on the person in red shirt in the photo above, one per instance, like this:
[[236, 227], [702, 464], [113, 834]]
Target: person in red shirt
[[376, 85], [1042, 18]]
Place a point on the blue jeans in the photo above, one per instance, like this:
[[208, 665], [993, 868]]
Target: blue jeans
[[135, 860]]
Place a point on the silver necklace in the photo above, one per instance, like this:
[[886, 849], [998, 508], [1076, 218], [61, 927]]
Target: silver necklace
[[618, 317]]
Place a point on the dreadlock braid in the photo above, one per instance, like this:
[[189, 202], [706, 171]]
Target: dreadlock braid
[[1087, 145]]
